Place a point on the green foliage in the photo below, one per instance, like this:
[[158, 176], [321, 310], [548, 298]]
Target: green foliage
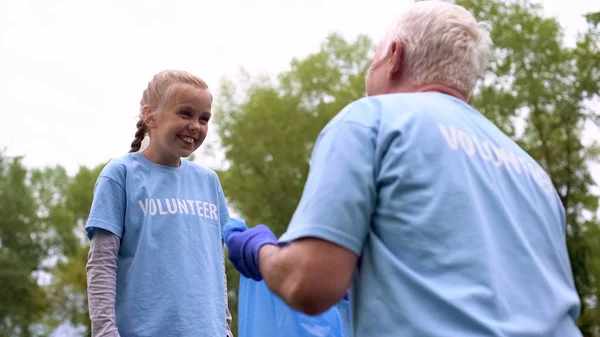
[[44, 211], [68, 215], [267, 137], [22, 300]]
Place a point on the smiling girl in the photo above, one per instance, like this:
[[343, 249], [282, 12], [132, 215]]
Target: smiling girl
[[155, 266]]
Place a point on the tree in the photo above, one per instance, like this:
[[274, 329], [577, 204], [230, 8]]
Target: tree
[[22, 301], [267, 128], [67, 215], [42, 212], [267, 138]]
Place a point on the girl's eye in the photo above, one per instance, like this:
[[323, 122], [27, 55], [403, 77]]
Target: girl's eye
[[185, 113]]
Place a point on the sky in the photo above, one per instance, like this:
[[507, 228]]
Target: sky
[[72, 72]]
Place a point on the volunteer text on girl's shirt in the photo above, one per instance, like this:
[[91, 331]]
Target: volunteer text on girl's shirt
[[156, 265]]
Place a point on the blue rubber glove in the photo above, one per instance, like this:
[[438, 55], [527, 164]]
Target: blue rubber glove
[[244, 244]]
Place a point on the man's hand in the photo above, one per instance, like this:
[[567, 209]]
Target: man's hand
[[244, 245]]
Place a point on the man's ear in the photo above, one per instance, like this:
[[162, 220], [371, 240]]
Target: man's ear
[[396, 60], [148, 117]]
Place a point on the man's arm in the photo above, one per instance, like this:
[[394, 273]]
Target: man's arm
[[330, 225], [329, 228], [310, 275]]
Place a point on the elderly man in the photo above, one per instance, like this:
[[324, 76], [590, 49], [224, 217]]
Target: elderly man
[[448, 227]]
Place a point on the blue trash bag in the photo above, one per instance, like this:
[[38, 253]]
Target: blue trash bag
[[346, 315], [262, 314]]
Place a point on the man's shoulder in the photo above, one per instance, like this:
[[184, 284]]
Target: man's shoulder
[[364, 111], [370, 110], [424, 105]]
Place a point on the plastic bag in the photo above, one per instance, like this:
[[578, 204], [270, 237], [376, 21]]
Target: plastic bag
[[262, 314], [346, 315]]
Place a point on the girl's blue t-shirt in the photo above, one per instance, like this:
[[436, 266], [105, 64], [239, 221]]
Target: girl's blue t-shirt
[[170, 264]]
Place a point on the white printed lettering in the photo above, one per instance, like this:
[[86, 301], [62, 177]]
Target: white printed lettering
[[499, 156], [484, 154], [213, 211], [152, 207], [511, 158], [466, 143], [451, 139], [144, 206], [182, 206], [160, 207], [205, 207], [493, 150], [199, 207], [174, 209], [191, 203]]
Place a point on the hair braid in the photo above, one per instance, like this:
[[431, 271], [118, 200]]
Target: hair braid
[[139, 136]]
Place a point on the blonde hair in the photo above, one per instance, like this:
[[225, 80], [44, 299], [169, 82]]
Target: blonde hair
[[443, 44], [164, 90]]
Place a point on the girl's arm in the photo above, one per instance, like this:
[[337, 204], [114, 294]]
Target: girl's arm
[[102, 281]]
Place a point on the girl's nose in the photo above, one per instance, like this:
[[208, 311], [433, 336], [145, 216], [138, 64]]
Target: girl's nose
[[194, 126]]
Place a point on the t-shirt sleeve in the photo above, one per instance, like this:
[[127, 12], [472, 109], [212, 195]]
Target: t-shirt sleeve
[[340, 192], [222, 204], [108, 205]]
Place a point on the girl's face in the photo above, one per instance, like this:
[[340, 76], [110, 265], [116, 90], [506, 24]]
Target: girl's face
[[178, 131]]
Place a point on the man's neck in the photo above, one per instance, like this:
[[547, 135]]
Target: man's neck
[[444, 89]]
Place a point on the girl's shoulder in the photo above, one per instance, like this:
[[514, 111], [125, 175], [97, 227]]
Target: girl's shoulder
[[116, 168], [201, 170]]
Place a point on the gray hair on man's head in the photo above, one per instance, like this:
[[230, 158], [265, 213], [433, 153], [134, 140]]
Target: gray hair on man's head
[[443, 43]]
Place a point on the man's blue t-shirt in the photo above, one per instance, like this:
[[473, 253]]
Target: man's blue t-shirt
[[459, 231], [170, 278]]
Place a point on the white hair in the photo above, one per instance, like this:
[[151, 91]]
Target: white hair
[[443, 43]]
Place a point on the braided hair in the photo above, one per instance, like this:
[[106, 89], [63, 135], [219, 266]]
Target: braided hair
[[139, 136]]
